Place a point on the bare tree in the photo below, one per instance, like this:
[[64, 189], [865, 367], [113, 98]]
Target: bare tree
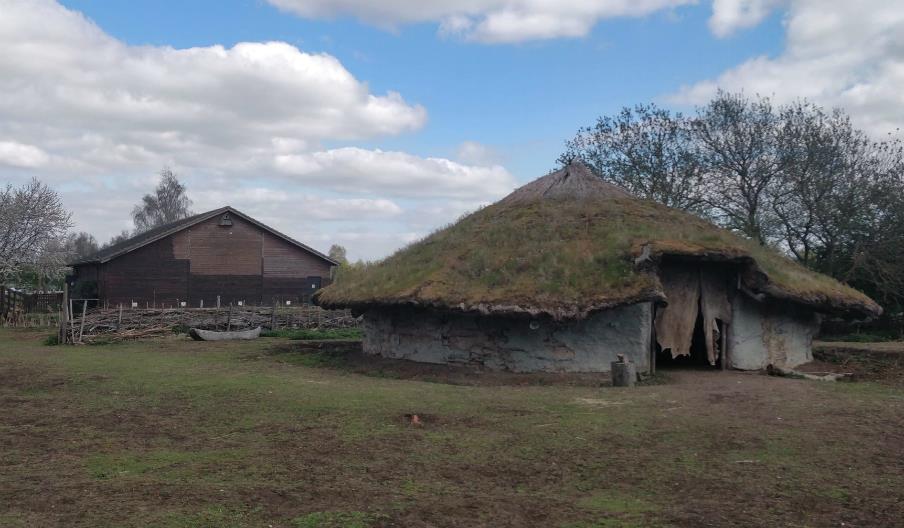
[[793, 176], [31, 217], [741, 151], [645, 150], [338, 254], [116, 239], [169, 203], [824, 181], [80, 246]]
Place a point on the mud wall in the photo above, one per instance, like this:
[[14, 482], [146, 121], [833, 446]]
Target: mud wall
[[763, 334], [512, 343]]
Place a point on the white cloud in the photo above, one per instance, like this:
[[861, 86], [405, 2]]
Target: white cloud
[[73, 90], [474, 153], [730, 15], [492, 21], [838, 53], [265, 201], [18, 155], [352, 169], [97, 118]]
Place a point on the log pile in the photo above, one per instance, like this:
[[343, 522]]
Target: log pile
[[125, 324]]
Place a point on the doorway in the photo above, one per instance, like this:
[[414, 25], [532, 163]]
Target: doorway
[[698, 354]]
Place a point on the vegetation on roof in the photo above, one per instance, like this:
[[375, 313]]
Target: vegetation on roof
[[545, 251]]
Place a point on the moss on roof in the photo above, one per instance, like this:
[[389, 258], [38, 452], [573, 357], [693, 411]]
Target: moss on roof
[[565, 245]]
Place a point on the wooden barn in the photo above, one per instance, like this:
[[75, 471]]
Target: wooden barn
[[221, 254]]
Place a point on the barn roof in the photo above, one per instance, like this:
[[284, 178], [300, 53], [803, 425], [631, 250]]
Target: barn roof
[[138, 241], [567, 244]]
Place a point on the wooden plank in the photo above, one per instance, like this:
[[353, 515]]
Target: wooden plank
[[724, 345]]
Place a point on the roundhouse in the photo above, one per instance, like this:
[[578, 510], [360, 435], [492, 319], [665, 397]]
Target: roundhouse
[[568, 271]]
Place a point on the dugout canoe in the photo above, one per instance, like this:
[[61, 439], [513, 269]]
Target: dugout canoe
[[211, 335]]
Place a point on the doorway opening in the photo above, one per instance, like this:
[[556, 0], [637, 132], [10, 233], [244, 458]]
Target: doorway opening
[[698, 356]]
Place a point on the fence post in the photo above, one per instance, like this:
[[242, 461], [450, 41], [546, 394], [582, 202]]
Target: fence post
[[64, 315], [81, 329]]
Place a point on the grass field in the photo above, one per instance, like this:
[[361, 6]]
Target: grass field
[[183, 434]]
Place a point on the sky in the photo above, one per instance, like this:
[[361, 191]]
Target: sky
[[370, 124]]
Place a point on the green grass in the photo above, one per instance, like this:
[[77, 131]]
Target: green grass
[[560, 255], [868, 337], [316, 333], [177, 433], [336, 520]]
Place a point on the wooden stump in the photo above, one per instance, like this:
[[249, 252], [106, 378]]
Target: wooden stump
[[624, 373]]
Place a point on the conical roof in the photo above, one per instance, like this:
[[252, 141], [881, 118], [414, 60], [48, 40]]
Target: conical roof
[[568, 244]]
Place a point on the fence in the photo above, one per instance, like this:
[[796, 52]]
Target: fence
[[121, 323], [20, 308]]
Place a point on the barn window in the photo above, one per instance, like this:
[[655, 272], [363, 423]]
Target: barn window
[[225, 220]]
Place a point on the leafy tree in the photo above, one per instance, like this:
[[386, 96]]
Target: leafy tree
[[32, 218], [169, 203], [338, 254], [647, 151]]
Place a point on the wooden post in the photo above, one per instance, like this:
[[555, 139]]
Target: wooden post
[[64, 315], [724, 345], [81, 329], [229, 318], [218, 302], [119, 322], [653, 343]]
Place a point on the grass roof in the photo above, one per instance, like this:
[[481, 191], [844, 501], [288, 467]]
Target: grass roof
[[564, 245]]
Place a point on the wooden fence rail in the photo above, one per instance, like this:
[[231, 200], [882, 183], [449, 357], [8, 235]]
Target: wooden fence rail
[[20, 308], [122, 322]]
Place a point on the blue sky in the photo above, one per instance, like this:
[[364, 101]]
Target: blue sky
[[370, 124], [522, 100]]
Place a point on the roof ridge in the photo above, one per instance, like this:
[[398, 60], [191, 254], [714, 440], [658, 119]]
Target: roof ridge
[[152, 235]]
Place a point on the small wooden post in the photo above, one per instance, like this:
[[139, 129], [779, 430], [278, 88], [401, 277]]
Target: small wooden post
[[653, 342], [624, 373], [229, 318], [119, 321], [81, 329], [724, 345], [218, 302], [64, 315]]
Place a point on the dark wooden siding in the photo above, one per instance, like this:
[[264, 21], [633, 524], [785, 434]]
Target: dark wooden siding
[[241, 262], [217, 250], [148, 275]]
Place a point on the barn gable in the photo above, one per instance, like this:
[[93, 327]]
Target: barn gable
[[221, 254]]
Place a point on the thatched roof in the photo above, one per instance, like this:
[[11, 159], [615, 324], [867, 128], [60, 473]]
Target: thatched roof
[[568, 244]]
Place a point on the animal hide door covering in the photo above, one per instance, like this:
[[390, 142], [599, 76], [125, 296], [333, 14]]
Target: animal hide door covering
[[714, 304], [675, 323], [690, 290]]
